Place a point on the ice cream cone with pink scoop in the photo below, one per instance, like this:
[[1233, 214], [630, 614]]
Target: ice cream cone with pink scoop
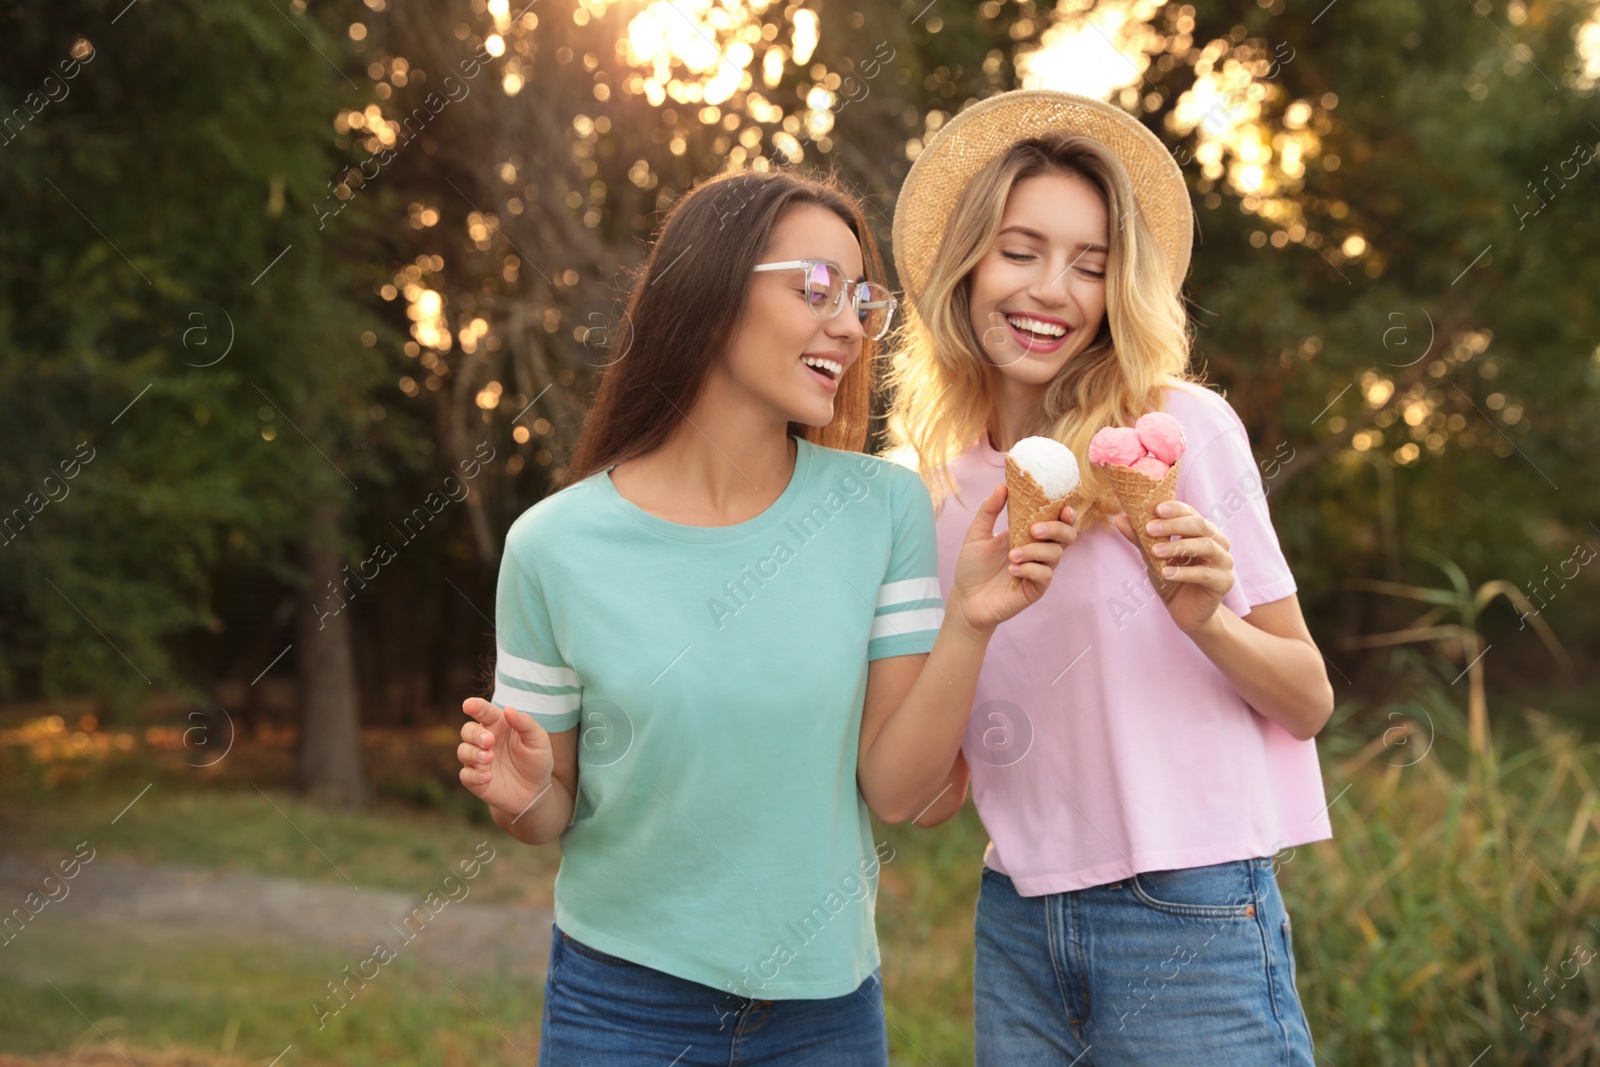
[[1142, 463]]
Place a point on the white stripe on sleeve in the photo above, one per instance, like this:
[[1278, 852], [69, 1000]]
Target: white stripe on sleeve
[[906, 622], [509, 696], [909, 589], [526, 670]]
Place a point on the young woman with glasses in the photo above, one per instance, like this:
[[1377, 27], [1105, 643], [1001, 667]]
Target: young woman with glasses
[[725, 643]]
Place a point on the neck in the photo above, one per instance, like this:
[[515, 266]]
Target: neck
[[1017, 410], [727, 453]]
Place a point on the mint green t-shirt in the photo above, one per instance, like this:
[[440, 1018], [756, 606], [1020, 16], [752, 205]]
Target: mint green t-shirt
[[717, 676]]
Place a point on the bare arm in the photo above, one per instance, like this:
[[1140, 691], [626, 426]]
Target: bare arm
[[915, 716], [1268, 655], [1271, 659], [917, 707], [951, 796]]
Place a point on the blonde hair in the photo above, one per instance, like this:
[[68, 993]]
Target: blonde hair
[[945, 386]]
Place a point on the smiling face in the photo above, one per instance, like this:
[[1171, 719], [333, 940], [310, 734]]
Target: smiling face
[[1039, 294], [781, 355]]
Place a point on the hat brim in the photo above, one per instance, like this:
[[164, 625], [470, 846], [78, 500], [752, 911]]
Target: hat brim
[[984, 131]]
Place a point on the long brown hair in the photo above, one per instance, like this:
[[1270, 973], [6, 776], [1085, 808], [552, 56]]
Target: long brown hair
[[685, 304]]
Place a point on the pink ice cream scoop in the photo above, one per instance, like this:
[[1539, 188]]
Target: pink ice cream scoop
[[1161, 435], [1151, 468], [1115, 446]]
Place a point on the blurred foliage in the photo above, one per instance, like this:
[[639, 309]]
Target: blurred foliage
[[1395, 254], [1418, 356], [166, 304]]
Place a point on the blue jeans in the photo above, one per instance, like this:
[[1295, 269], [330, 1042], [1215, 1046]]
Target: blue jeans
[[599, 1009], [1189, 966]]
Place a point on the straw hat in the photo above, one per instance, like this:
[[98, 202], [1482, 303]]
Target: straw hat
[[988, 128]]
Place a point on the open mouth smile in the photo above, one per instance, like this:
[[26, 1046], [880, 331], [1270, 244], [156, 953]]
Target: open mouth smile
[[826, 371], [1037, 334]]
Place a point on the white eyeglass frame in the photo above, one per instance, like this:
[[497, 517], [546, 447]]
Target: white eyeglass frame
[[853, 289]]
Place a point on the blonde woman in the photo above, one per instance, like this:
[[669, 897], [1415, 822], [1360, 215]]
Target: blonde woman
[[1137, 760]]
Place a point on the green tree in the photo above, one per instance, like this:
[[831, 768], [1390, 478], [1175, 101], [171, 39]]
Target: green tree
[[168, 302], [1407, 333], [537, 188]]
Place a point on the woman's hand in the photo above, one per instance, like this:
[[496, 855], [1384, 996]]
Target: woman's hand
[[982, 590], [505, 756], [1200, 566]]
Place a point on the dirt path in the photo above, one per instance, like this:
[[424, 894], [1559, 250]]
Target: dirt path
[[462, 939]]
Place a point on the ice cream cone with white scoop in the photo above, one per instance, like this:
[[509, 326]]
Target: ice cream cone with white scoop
[[1041, 478]]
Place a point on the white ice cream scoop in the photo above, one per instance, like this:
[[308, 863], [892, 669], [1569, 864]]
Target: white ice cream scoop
[[1050, 462]]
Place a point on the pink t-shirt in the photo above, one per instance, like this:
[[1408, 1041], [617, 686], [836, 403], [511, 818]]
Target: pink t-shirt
[[1102, 741]]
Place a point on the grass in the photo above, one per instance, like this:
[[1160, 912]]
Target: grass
[[247, 1000], [926, 897], [1443, 903], [1444, 922], [248, 820], [154, 994]]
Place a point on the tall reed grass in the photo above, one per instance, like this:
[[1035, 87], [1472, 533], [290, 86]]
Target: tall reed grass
[[1453, 917]]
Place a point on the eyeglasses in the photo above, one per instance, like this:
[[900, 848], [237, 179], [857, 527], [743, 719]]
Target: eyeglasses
[[824, 285]]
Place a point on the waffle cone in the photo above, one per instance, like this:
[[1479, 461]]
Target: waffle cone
[[1026, 504], [1139, 496]]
